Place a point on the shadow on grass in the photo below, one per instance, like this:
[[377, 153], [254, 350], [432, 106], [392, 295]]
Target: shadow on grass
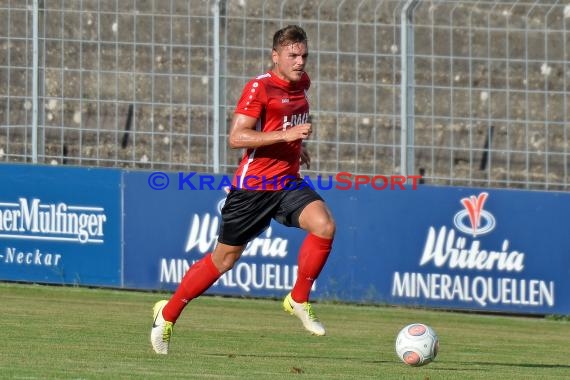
[[464, 366], [285, 356], [523, 365]]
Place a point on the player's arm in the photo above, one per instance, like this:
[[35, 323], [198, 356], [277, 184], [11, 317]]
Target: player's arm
[[244, 135]]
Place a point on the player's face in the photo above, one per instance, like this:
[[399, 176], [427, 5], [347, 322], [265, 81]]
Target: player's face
[[289, 61]]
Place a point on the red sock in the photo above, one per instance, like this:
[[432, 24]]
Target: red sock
[[201, 275], [312, 258]]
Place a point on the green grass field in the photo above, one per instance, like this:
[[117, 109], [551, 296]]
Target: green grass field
[[77, 333]]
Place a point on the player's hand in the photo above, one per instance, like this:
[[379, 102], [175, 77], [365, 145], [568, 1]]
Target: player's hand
[[298, 132], [305, 157]]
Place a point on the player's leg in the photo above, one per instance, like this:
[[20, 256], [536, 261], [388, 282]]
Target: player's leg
[[244, 215], [304, 208], [317, 220], [199, 277]]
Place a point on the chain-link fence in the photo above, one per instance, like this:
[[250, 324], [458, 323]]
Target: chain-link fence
[[474, 91], [491, 92]]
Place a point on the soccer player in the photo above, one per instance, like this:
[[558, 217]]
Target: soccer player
[[270, 122]]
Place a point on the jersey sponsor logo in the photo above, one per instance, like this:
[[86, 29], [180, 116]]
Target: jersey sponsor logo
[[292, 120]]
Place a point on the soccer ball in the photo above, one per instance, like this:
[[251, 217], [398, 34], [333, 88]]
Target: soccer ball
[[417, 344]]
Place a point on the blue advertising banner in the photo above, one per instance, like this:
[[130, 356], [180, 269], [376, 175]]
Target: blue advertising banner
[[456, 248], [171, 221], [60, 225]]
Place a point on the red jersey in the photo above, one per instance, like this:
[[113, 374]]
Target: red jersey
[[277, 105]]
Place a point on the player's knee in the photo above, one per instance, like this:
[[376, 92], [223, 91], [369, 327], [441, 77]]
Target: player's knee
[[325, 228], [330, 228]]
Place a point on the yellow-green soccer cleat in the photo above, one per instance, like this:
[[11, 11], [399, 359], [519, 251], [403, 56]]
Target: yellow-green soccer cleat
[[304, 311], [161, 330]]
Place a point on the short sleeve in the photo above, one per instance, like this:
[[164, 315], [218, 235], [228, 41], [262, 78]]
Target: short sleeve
[[253, 99]]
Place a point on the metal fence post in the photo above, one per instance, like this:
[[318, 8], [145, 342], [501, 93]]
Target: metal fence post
[[216, 100], [407, 96], [35, 53]]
